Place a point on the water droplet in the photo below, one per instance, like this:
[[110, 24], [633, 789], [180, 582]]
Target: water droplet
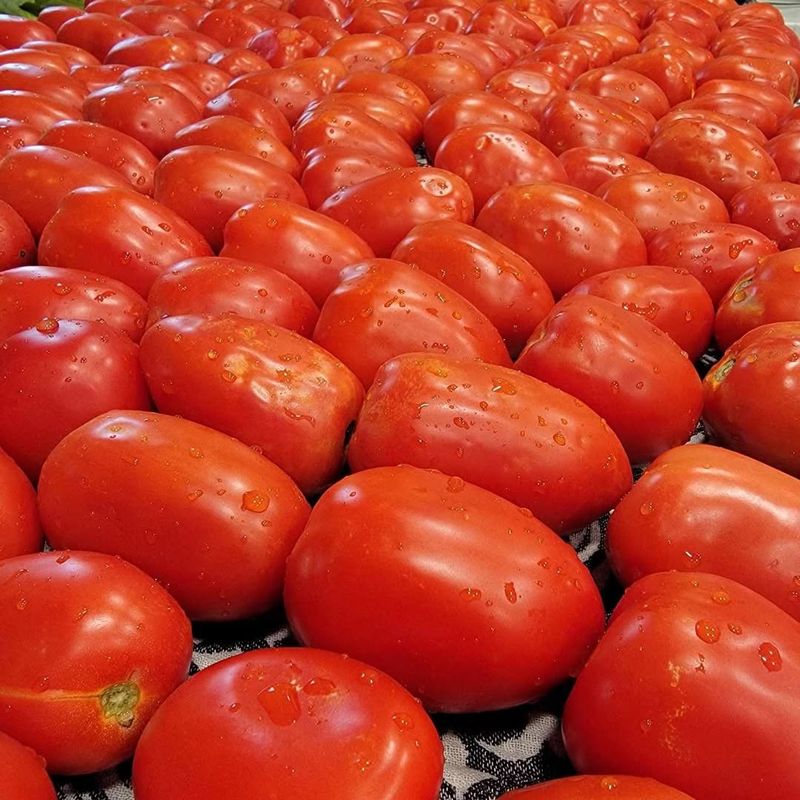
[[320, 687], [721, 597], [195, 453], [503, 386], [735, 629], [470, 594], [233, 707], [460, 422], [22, 604], [559, 438], [61, 288], [608, 783], [47, 325], [403, 721], [455, 484], [510, 591], [63, 558], [212, 354], [770, 657], [281, 703], [255, 501], [707, 631], [646, 508], [228, 376], [195, 495]]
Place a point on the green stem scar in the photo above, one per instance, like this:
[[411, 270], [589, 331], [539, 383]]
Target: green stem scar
[[119, 702]]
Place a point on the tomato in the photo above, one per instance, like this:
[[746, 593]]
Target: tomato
[[599, 50], [308, 247], [437, 74], [589, 168], [46, 81], [251, 107], [392, 86], [761, 363], [771, 208], [97, 33], [469, 419], [267, 386], [505, 21], [15, 134], [153, 51], [177, 81], [626, 85], [94, 647], [97, 77], [34, 109], [230, 28], [624, 37], [597, 787], [670, 67], [282, 90], [769, 71], [764, 48], [150, 112], [22, 772], [29, 294], [739, 112], [283, 46], [20, 531], [699, 56], [529, 87], [478, 53], [325, 31], [16, 31], [540, 222], [658, 201], [17, 247], [567, 56], [785, 151], [679, 648], [74, 56], [365, 51], [591, 12], [45, 61], [158, 20], [213, 286], [281, 700], [440, 553], [55, 16], [133, 238], [206, 77], [703, 111], [106, 146], [767, 95], [238, 61], [716, 254], [713, 509]]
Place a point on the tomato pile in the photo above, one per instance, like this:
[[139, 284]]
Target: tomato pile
[[357, 310]]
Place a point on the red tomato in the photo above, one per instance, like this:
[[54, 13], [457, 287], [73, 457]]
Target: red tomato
[[540, 222], [283, 46], [325, 31], [29, 294], [478, 53], [469, 420], [16, 242], [492, 157], [671, 68], [384, 308], [716, 254], [153, 51], [365, 51], [658, 201], [739, 111], [98, 77], [713, 509], [94, 647], [34, 109], [160, 20], [253, 108], [168, 77], [20, 531], [15, 134], [268, 386], [690, 110], [785, 151], [589, 168], [500, 19], [656, 39], [437, 74], [16, 31], [590, 12], [74, 56], [763, 48], [186, 504], [597, 787], [150, 112], [772, 209], [308, 247], [212, 286], [97, 33], [392, 86], [767, 95], [45, 81], [238, 61], [106, 146], [679, 648], [230, 28], [530, 87], [567, 56], [283, 699], [599, 50], [760, 364], [767, 292], [22, 772], [206, 77], [119, 233], [55, 16], [283, 90], [624, 37], [769, 71], [626, 85], [413, 559]]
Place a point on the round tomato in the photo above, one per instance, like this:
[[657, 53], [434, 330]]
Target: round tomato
[[93, 646], [20, 531], [22, 772], [598, 787]]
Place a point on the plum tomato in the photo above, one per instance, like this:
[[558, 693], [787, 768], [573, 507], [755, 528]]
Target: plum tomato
[[589, 168], [597, 787], [17, 247], [20, 531], [772, 209], [22, 772]]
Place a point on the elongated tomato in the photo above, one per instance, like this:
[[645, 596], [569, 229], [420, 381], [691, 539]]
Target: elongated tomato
[[598, 787], [20, 531], [22, 772]]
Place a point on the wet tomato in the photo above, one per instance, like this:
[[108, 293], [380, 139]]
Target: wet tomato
[[20, 531], [597, 787], [771, 208], [17, 247], [22, 772], [589, 168]]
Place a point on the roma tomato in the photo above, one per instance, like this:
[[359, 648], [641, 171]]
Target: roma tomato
[[703, 112], [284, 91], [529, 87], [658, 201], [392, 86], [157, 74], [213, 286], [34, 109], [770, 97], [29, 294], [703, 507], [20, 531], [497, 428], [46, 81], [16, 31], [384, 308], [202, 513], [738, 112], [671, 299], [97, 33], [237, 61], [309, 247], [383, 209], [625, 85], [267, 386], [623, 367], [565, 233], [761, 364], [229, 27], [17, 247], [365, 51], [15, 134], [767, 292], [151, 51], [772, 209], [281, 700], [671, 68], [445, 552], [283, 46], [497, 281], [93, 647], [769, 71], [437, 74], [589, 168], [22, 772], [716, 254], [206, 77], [471, 49], [785, 151], [679, 647], [597, 787]]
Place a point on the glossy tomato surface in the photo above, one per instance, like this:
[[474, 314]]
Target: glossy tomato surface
[[598, 787], [22, 772], [589, 168], [20, 531], [772, 209], [17, 247]]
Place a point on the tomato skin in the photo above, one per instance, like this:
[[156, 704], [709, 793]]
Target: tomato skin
[[96, 33], [443, 551], [700, 112], [539, 222], [534, 471], [708, 507], [761, 363], [160, 20], [437, 75], [762, 48], [383, 209], [45, 81], [99, 646], [151, 51], [311, 397], [716, 640], [238, 61], [785, 151], [392, 86], [740, 112], [33, 109], [505, 21], [670, 67], [626, 85], [195, 504], [97, 77], [772, 209], [307, 246], [17, 247], [133, 238], [530, 87], [762, 70], [338, 694], [206, 77], [596, 787], [22, 772], [767, 95], [15, 134], [716, 254], [589, 168], [365, 51], [410, 311], [16, 31], [20, 530], [184, 85]]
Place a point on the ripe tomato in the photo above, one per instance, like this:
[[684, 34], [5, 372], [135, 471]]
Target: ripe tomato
[[763, 48], [97, 33], [497, 281], [567, 56], [16, 31], [392, 86], [540, 222], [309, 247], [770, 97], [238, 61], [93, 647], [34, 109], [715, 253], [365, 51], [738, 111], [431, 542], [282, 90], [589, 168], [762, 363], [98, 77], [477, 52], [206, 77], [202, 513], [767, 292], [15, 134], [769, 71], [229, 27], [700, 112], [151, 51], [46, 81], [267, 386], [325, 31], [160, 20], [497, 428], [505, 21], [597, 787], [626, 85], [20, 531], [22, 772], [785, 151], [283, 46], [74, 56], [708, 508], [277, 701], [599, 50], [437, 74], [157, 74], [771, 208], [529, 87], [212, 286], [679, 648], [250, 106], [383, 209], [671, 68], [17, 247]]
